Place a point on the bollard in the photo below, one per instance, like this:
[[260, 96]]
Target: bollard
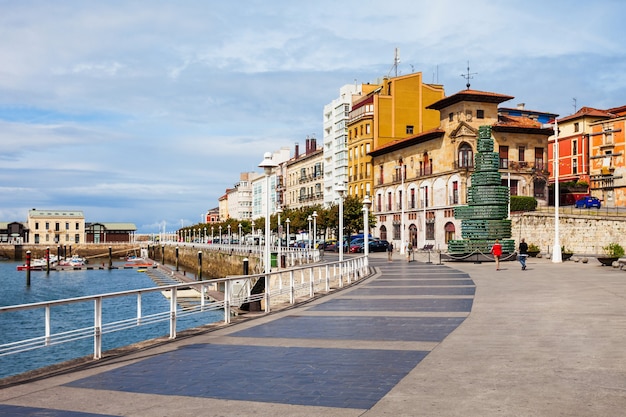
[[110, 258], [176, 258], [163, 254], [47, 260], [28, 268], [70, 251], [59, 252], [199, 278], [246, 266]]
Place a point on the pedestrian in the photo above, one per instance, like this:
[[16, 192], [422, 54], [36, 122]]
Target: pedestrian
[[389, 251], [496, 251], [523, 253], [409, 250]]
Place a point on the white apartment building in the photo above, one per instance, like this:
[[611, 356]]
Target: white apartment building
[[335, 155], [240, 197]]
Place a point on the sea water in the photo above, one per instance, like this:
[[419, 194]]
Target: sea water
[[58, 285]]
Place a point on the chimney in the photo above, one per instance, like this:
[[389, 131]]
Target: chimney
[[313, 144], [520, 106], [297, 151], [308, 146]]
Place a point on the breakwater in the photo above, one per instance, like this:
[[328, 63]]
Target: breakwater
[[212, 263]]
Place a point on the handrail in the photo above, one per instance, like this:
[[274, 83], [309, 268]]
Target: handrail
[[281, 288]]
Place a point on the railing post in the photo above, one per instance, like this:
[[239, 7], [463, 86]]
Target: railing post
[[311, 283], [227, 297], [267, 293], [292, 288], [97, 329], [173, 314], [327, 269]]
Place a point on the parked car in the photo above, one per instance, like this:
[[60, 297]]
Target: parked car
[[588, 202], [378, 245]]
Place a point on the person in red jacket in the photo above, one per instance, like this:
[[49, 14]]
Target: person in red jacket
[[496, 251]]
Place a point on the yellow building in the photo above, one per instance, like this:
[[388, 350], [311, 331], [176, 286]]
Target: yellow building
[[393, 109], [59, 227]]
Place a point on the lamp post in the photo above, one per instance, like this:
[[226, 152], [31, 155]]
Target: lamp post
[[314, 215], [366, 233], [240, 240], [341, 189], [221, 234], [423, 188], [229, 236], [401, 168], [287, 221], [212, 240], [556, 251], [204, 238], [309, 219], [280, 237], [267, 164]]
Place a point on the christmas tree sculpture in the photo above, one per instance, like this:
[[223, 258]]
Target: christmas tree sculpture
[[484, 219]]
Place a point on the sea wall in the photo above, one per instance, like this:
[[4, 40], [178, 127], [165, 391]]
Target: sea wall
[[582, 234]]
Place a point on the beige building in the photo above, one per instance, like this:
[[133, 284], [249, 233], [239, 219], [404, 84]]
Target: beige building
[[305, 177], [56, 227], [421, 178]]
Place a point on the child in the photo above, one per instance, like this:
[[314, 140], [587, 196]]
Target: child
[[496, 251]]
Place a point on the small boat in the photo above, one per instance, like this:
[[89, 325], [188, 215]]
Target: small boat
[[142, 270], [74, 261], [38, 264]]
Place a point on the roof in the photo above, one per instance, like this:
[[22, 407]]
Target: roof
[[587, 112], [408, 141], [519, 124], [115, 226], [56, 213], [470, 95]]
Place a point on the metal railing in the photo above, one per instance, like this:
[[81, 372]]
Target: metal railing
[[282, 288]]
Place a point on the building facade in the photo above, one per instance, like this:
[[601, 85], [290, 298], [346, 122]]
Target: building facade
[[419, 179], [396, 108], [57, 227], [305, 177]]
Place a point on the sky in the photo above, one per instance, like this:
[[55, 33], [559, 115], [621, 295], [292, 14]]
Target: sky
[[147, 111]]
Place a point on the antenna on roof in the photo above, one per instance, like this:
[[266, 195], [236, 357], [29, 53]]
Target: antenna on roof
[[468, 76], [396, 61], [574, 100]]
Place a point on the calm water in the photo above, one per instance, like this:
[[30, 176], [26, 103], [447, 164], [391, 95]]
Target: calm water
[[69, 284]]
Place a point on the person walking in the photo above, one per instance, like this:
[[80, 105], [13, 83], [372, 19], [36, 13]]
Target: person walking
[[523, 253], [496, 251], [389, 251]]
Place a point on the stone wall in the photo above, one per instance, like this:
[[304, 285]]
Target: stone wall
[[582, 234]]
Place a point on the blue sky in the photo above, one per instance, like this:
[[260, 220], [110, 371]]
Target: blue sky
[[146, 111]]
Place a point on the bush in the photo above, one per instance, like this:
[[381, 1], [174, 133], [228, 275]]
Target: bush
[[613, 250], [523, 203]]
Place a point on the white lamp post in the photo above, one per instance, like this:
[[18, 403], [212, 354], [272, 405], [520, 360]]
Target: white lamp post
[[212, 240], [557, 256], [401, 207], [366, 233], [314, 215], [267, 164], [229, 236], [280, 237], [221, 235], [240, 240], [341, 189], [309, 219], [287, 221]]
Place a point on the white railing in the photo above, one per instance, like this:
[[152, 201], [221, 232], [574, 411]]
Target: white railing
[[286, 287]]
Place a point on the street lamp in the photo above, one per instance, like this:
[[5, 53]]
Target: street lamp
[[366, 233], [229, 236], [212, 240], [204, 239], [314, 215], [221, 234], [400, 167], [341, 189], [309, 219], [287, 221], [557, 256], [240, 240], [267, 164], [280, 237]]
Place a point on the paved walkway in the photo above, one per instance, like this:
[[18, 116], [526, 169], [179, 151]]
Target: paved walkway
[[417, 339]]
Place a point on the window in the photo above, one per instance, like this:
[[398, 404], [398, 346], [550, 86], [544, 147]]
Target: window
[[576, 127], [67, 225], [466, 156], [389, 201], [521, 151], [574, 147], [57, 227], [367, 129], [539, 159], [379, 203], [455, 192], [451, 117], [504, 157], [574, 165], [480, 114], [409, 129], [47, 225], [396, 231], [412, 204], [400, 200], [77, 226], [36, 225]]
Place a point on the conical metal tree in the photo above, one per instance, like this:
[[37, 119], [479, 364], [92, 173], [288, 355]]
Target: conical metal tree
[[484, 219]]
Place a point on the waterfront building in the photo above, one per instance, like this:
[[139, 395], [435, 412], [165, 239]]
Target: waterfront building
[[213, 215], [335, 141], [56, 226], [110, 232], [239, 198], [420, 178], [259, 190], [222, 204], [15, 233], [305, 177], [396, 108]]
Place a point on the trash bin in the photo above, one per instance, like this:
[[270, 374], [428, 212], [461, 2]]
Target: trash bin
[[274, 259]]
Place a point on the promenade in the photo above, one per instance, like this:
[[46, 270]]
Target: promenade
[[415, 339]]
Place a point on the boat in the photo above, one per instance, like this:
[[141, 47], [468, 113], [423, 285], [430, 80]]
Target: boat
[[73, 261], [39, 264]]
